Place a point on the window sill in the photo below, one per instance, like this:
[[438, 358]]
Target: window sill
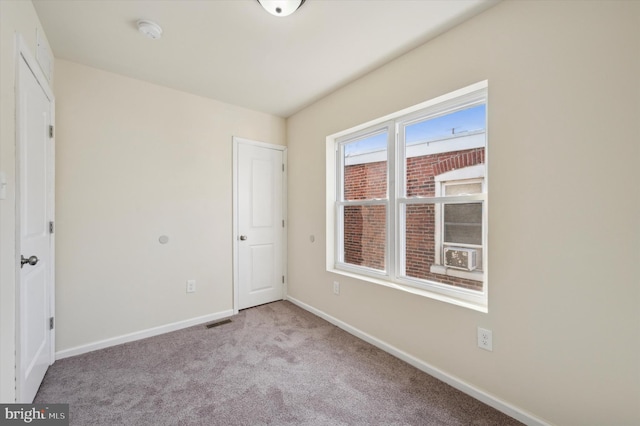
[[469, 304], [458, 273]]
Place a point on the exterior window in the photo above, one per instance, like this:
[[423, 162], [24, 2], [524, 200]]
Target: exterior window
[[364, 200], [459, 231], [411, 198]]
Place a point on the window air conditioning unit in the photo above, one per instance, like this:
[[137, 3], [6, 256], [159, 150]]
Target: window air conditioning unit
[[461, 258]]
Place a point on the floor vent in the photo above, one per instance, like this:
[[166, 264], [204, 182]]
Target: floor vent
[[215, 324]]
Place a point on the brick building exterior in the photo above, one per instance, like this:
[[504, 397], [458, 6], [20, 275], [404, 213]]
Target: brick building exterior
[[364, 226]]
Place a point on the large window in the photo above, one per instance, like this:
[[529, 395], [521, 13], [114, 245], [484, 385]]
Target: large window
[[363, 206], [410, 198]]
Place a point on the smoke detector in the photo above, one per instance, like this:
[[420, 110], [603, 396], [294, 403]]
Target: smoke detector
[[150, 29]]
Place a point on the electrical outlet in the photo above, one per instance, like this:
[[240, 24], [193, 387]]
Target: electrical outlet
[[336, 287], [191, 286], [485, 339]]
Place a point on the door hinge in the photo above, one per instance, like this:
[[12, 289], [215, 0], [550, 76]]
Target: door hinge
[[283, 279], [50, 131], [283, 223], [51, 227], [51, 323], [283, 167]]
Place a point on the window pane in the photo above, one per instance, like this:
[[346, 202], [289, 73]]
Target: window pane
[[458, 123], [437, 145], [463, 223], [463, 189], [419, 240], [365, 168], [365, 236], [420, 247]]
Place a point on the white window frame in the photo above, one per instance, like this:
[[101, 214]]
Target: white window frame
[[392, 276], [340, 202], [471, 174]]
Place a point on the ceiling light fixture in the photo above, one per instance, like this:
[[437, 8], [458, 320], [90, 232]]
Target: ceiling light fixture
[[281, 7], [150, 29]]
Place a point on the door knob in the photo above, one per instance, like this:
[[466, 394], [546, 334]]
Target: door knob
[[31, 261], [243, 237]]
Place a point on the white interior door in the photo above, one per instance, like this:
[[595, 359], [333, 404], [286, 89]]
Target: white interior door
[[35, 210], [260, 224]]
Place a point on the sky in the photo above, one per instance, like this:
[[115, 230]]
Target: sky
[[463, 121]]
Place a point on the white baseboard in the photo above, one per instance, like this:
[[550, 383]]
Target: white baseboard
[[142, 334], [453, 381]]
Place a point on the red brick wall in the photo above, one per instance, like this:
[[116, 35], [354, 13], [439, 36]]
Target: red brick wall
[[365, 181], [364, 227], [364, 239], [421, 170]]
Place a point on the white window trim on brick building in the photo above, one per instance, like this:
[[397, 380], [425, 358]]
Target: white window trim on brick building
[[393, 275], [471, 174]]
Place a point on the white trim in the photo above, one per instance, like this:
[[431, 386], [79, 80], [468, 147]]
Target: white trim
[[285, 217], [235, 210], [469, 389], [23, 50], [331, 210], [474, 174], [459, 199], [142, 334], [456, 94], [342, 161], [236, 141], [458, 142], [395, 271], [455, 296]]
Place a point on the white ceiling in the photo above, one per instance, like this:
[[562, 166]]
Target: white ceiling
[[235, 52]]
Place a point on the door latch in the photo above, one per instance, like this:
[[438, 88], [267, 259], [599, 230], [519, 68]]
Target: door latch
[[33, 260]]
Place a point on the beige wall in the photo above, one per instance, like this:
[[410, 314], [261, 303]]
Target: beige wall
[[564, 234], [16, 17], [136, 161]]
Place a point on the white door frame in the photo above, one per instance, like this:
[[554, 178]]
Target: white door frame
[[236, 236], [23, 53]]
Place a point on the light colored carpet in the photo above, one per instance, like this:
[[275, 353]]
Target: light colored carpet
[[274, 364]]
